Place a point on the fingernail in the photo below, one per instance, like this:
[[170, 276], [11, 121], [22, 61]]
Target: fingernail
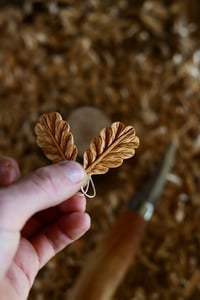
[[4, 164], [9, 171], [73, 170]]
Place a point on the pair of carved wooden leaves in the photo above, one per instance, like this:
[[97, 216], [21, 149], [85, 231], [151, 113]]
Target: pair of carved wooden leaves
[[108, 150]]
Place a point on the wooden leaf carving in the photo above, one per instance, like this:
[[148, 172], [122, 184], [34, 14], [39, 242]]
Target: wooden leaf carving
[[54, 138], [110, 148]]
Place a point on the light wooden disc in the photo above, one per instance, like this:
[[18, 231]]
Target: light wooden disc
[[86, 123]]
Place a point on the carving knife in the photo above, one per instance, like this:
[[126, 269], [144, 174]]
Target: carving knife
[[106, 267]]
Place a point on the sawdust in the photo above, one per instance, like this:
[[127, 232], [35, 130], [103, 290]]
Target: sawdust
[[139, 63]]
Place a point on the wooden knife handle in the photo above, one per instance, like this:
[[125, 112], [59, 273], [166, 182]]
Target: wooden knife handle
[[107, 265]]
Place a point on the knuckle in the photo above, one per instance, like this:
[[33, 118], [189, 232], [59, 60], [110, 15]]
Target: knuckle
[[44, 180]]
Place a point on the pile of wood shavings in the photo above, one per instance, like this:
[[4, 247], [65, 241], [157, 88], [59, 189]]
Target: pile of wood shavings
[[139, 63]]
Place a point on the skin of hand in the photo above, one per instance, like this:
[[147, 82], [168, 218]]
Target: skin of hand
[[40, 214]]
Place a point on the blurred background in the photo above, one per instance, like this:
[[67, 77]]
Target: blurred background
[[138, 62]]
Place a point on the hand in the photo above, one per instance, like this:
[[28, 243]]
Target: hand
[[36, 221]]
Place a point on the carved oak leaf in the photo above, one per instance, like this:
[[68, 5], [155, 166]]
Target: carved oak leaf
[[110, 148], [54, 138]]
